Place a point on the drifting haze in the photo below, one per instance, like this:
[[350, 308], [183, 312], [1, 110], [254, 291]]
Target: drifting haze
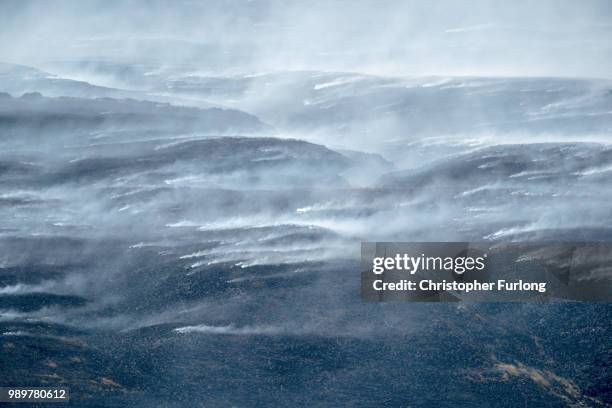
[[522, 38]]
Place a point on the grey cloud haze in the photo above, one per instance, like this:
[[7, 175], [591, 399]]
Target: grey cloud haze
[[544, 38]]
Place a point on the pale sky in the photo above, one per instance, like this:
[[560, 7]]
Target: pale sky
[[445, 37]]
